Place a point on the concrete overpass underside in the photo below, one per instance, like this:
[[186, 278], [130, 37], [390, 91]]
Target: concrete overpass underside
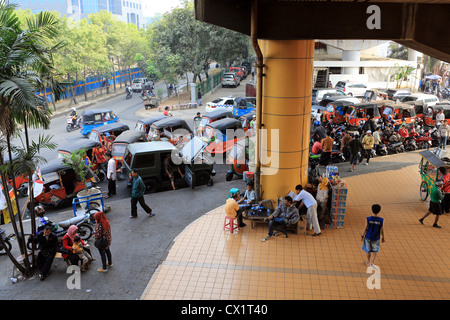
[[282, 33]]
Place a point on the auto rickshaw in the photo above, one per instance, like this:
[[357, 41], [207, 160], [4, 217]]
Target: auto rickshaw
[[398, 113], [375, 95], [144, 124], [243, 106], [240, 158], [429, 172], [88, 145], [246, 119], [119, 146], [93, 118], [429, 116], [174, 130], [106, 134], [419, 107], [211, 117], [359, 112], [338, 109], [218, 139], [61, 184], [20, 182]]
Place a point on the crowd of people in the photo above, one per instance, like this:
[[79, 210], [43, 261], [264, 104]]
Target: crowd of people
[[331, 141]]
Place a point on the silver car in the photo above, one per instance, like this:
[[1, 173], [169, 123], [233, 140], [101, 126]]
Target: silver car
[[230, 79]]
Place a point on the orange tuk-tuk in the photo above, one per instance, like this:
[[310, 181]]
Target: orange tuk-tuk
[[359, 112], [106, 134], [61, 184], [211, 117], [222, 135], [337, 109], [398, 113], [419, 108], [430, 112]]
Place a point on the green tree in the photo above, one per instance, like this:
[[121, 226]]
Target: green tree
[[25, 57]]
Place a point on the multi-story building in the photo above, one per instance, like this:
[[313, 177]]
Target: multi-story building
[[129, 11]]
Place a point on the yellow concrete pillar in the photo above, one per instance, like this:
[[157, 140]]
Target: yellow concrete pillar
[[286, 107]]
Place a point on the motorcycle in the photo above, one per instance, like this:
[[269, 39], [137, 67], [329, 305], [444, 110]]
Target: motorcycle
[[129, 93], [7, 241], [71, 126], [381, 150], [84, 224]]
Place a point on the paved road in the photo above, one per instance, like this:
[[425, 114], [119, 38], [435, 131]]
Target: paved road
[[139, 245]]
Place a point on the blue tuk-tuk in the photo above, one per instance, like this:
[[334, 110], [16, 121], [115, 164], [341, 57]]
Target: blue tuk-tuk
[[96, 117], [243, 106]]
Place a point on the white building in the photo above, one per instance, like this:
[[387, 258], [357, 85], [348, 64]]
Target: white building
[[363, 61], [129, 11]]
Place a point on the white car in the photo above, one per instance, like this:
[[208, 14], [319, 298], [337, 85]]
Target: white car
[[355, 89], [139, 84], [230, 79], [219, 103], [429, 99]]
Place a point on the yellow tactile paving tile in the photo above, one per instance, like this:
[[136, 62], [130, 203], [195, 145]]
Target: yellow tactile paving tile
[[207, 263]]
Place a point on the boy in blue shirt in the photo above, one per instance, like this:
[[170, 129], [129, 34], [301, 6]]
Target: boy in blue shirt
[[371, 237]]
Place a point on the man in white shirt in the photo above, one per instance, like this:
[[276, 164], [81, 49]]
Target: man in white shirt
[[111, 175], [310, 203], [440, 116]]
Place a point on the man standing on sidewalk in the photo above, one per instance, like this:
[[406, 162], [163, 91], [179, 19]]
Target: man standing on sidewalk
[[137, 195], [111, 175], [373, 231]]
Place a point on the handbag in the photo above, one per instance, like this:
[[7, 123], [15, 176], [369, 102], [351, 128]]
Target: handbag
[[101, 243]]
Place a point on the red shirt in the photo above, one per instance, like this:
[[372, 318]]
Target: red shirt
[[316, 147], [403, 132], [98, 153]]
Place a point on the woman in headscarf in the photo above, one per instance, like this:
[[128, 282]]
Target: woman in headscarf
[[67, 243], [103, 229]]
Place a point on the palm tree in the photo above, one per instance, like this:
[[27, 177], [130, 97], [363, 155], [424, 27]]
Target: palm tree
[[25, 59]]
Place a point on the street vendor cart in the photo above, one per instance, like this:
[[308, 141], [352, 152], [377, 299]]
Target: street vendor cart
[[429, 172]]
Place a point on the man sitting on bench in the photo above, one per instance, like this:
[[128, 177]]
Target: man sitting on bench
[[286, 214]]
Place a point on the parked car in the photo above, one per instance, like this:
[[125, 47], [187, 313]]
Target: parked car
[[220, 103], [429, 99], [238, 71], [230, 79], [351, 88], [318, 94], [140, 84], [147, 158], [394, 94]]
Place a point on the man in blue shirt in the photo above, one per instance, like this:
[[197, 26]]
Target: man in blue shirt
[[137, 195], [371, 237]]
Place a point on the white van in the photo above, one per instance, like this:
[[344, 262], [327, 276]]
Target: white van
[[350, 88], [429, 99], [139, 84]]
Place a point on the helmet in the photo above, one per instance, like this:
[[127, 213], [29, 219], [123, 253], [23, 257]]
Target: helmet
[[39, 210], [74, 109]]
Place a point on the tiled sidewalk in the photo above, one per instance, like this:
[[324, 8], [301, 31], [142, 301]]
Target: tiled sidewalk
[[207, 263]]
